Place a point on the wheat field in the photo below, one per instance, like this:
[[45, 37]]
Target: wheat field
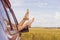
[[41, 34]]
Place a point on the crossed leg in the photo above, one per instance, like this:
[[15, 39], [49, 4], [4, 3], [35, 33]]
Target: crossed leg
[[26, 17], [21, 28], [21, 25], [26, 24]]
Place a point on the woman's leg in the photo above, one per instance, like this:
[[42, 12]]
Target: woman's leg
[[26, 17], [25, 25]]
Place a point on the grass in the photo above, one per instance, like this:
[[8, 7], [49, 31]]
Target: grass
[[41, 34]]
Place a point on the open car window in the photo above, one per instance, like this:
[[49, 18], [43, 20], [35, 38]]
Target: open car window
[[46, 12]]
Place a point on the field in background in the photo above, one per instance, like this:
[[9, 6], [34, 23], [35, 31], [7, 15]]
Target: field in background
[[41, 34]]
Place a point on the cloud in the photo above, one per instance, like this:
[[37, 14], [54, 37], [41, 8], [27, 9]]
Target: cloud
[[57, 15], [17, 3], [25, 2], [47, 20], [42, 4]]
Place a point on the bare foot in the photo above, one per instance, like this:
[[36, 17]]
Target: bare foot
[[30, 22], [26, 17]]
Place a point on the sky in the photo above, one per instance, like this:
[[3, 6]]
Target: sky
[[45, 12]]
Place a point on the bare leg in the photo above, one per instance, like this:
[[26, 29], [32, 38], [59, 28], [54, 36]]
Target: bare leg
[[26, 17], [21, 28], [26, 24]]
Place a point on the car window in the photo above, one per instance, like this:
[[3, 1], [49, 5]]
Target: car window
[[46, 12]]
